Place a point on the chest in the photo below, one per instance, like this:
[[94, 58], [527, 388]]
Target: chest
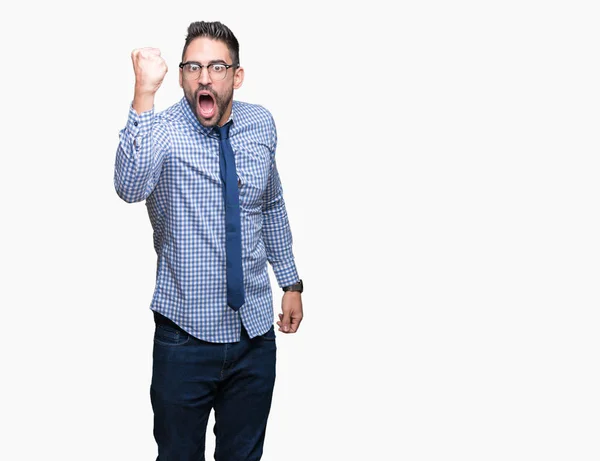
[[193, 167]]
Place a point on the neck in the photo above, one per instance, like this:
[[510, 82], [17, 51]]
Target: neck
[[226, 114]]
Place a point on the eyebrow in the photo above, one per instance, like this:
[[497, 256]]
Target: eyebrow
[[214, 61]]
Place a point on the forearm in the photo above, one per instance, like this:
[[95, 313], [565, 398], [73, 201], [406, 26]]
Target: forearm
[[277, 235]]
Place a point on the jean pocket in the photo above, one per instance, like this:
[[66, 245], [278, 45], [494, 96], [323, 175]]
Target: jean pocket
[[269, 335], [166, 335]]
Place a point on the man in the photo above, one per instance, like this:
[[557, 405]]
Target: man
[[206, 168]]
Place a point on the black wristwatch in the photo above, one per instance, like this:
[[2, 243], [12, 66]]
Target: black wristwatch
[[298, 286]]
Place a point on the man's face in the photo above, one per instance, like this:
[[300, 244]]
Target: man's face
[[209, 97]]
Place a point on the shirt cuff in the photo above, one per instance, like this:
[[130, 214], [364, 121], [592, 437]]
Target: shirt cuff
[[139, 124], [286, 274]]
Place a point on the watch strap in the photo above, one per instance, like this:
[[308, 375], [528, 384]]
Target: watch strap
[[298, 286]]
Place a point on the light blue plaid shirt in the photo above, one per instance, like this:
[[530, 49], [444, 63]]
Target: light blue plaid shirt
[[170, 160]]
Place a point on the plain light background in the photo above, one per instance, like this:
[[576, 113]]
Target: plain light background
[[439, 163]]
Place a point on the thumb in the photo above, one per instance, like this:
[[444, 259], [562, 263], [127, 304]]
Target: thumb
[[285, 320]]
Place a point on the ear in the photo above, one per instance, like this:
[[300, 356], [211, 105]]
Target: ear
[[181, 78], [238, 78]]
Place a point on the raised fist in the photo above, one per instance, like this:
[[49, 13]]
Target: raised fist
[[150, 69]]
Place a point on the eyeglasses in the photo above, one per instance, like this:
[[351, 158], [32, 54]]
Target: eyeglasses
[[192, 70]]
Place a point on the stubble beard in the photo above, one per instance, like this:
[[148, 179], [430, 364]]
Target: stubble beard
[[222, 101]]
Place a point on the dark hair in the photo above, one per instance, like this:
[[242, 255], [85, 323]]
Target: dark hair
[[216, 31]]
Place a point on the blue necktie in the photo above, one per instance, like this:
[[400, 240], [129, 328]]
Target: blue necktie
[[233, 228]]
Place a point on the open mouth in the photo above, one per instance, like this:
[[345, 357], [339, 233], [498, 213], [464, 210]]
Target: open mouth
[[207, 106]]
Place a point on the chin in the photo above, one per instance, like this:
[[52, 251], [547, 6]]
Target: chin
[[207, 123]]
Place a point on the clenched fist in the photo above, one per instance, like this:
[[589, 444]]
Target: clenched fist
[[150, 69]]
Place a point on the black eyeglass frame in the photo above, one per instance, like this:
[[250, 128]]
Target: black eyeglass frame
[[227, 66]]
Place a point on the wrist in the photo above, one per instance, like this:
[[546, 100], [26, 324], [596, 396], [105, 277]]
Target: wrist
[[297, 287], [143, 100], [142, 89]]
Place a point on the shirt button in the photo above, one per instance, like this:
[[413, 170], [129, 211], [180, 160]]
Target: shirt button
[[135, 123]]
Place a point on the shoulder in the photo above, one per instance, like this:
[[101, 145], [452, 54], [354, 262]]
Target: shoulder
[[255, 122], [171, 120], [253, 114], [170, 115]]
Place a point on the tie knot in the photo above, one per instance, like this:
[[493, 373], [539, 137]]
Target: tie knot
[[224, 130]]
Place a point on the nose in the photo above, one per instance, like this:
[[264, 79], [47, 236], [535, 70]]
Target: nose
[[204, 78]]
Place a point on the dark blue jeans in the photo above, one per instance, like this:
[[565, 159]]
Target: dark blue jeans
[[190, 377]]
